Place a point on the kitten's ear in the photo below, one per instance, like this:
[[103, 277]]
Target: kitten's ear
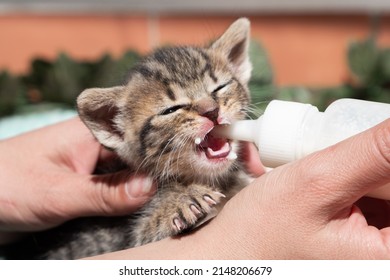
[[234, 44], [99, 110]]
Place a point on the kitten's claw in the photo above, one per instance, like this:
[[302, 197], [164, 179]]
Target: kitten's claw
[[220, 194], [213, 200], [209, 200], [196, 210], [179, 224], [199, 208]]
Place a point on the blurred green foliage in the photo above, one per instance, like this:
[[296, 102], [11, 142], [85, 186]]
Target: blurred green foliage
[[11, 93], [57, 83]]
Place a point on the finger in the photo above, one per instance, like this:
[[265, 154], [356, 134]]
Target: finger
[[251, 159], [356, 166], [382, 192], [109, 194], [106, 155]]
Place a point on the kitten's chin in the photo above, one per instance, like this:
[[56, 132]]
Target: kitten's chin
[[219, 163]]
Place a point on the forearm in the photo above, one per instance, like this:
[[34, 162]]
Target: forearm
[[170, 248]]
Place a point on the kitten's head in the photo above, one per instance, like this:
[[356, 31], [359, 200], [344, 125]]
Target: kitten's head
[[161, 119]]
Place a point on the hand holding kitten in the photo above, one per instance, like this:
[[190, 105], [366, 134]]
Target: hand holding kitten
[[45, 180]]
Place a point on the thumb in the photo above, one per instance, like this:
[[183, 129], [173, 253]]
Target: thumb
[[360, 164], [250, 157], [109, 194]]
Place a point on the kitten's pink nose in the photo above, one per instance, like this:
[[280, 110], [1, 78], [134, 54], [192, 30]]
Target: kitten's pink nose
[[212, 115], [208, 108]]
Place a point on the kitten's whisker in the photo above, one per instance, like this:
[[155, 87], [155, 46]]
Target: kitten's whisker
[[164, 149], [251, 112], [166, 171], [143, 163], [180, 146]]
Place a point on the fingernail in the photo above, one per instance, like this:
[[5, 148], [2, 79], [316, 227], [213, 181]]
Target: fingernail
[[139, 186]]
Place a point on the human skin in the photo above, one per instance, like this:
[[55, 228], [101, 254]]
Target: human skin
[[45, 180], [304, 210]]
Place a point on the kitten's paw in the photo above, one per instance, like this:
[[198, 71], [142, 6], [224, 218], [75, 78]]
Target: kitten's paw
[[195, 210]]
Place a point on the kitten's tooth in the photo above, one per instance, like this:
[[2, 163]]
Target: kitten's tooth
[[198, 140], [232, 156]]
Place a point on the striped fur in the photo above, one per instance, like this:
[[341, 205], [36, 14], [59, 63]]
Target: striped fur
[[170, 98]]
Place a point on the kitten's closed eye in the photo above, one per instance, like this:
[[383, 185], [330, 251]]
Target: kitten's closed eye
[[172, 109], [222, 86]]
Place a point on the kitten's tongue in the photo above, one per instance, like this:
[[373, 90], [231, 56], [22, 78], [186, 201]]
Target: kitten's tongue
[[216, 147]]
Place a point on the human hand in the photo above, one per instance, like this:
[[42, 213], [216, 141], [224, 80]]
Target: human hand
[[251, 159], [45, 179], [308, 209], [303, 210]]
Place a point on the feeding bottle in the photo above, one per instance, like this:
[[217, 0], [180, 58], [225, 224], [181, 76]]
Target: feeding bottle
[[289, 130]]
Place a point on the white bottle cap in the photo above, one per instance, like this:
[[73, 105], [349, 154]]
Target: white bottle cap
[[281, 132]]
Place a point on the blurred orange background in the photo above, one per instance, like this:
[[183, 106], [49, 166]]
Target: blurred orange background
[[303, 49]]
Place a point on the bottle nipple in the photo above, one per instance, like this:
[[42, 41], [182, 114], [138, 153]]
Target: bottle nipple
[[244, 130]]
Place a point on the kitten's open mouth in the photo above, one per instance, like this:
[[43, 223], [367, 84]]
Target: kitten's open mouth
[[215, 148]]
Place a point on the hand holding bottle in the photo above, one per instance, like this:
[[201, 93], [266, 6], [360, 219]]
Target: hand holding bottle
[[288, 131]]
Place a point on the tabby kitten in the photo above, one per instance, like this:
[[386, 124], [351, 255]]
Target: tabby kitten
[[160, 121]]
